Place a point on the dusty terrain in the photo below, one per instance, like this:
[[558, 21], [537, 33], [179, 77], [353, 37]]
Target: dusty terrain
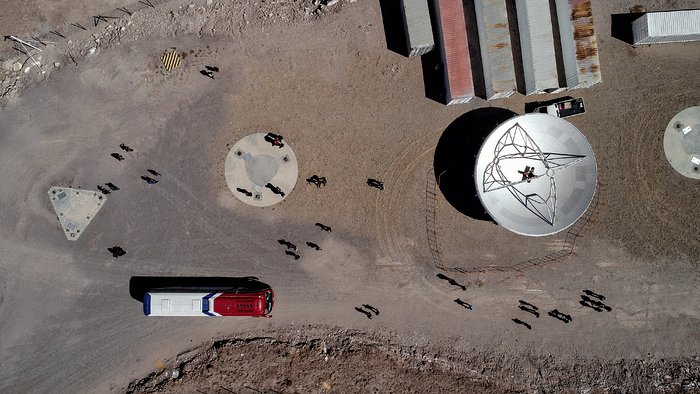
[[350, 109]]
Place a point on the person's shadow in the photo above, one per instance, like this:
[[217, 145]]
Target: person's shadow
[[455, 158]]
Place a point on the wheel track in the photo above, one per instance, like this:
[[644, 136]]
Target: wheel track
[[395, 196]]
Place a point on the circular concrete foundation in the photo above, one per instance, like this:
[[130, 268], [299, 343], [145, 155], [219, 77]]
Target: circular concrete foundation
[[682, 142], [258, 173]]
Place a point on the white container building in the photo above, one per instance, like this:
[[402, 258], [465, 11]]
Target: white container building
[[496, 49], [668, 26], [578, 43], [537, 46], [417, 27]]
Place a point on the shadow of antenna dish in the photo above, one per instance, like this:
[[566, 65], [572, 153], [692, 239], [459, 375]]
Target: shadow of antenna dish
[[535, 174]]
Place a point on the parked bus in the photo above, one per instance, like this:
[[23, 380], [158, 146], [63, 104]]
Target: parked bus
[[181, 302]]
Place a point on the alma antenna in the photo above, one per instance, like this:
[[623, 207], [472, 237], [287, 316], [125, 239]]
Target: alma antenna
[[535, 174]]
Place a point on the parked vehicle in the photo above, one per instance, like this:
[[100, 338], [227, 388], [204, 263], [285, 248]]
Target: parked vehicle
[[167, 302], [563, 109]]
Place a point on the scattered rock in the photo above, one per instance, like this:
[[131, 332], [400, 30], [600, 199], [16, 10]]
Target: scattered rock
[[91, 50]]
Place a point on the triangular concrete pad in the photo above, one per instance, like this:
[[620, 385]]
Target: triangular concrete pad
[[75, 208]]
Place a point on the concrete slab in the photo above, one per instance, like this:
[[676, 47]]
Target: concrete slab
[[75, 208], [252, 163], [682, 142]]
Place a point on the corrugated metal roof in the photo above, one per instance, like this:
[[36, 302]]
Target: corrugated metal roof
[[454, 51], [537, 45], [579, 43], [419, 31], [669, 26], [496, 50]]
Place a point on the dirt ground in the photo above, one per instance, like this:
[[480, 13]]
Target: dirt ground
[[310, 359], [322, 76]]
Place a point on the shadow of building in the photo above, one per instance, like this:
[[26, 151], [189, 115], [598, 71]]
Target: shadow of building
[[394, 30], [621, 26]]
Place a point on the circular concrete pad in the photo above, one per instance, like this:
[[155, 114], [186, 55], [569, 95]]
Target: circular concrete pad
[[682, 142], [254, 163]]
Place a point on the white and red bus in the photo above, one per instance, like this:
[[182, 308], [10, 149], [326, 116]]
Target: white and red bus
[[167, 302]]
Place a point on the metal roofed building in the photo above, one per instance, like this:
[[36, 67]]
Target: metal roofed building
[[537, 46], [454, 51], [496, 50], [578, 43], [417, 27], [667, 26], [535, 174]]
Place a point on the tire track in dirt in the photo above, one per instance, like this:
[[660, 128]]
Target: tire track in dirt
[[392, 199], [652, 214]]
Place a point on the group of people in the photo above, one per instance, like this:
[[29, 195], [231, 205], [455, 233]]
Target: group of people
[[375, 183], [148, 179], [125, 148], [292, 248], [209, 71], [597, 304], [111, 187], [589, 299], [317, 180], [244, 192], [369, 311], [117, 251], [275, 189], [528, 173], [274, 139], [530, 308]]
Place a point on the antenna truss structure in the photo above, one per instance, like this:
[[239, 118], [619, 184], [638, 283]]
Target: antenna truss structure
[[516, 144]]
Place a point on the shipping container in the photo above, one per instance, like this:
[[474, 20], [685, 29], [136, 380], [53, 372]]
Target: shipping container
[[537, 46], [668, 26], [454, 51], [496, 49], [417, 27], [578, 43]]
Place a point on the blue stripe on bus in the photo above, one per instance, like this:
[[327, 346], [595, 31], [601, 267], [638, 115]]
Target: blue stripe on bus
[[205, 304], [147, 304]]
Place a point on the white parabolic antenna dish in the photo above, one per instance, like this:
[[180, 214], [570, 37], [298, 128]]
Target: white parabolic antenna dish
[[535, 174]]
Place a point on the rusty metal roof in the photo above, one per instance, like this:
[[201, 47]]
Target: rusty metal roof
[[454, 51], [496, 50], [579, 43]]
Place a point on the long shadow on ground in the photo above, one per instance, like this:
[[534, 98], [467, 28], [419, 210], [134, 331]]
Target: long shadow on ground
[[139, 285], [455, 158]]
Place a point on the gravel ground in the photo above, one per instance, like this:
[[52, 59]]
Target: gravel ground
[[319, 73]]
